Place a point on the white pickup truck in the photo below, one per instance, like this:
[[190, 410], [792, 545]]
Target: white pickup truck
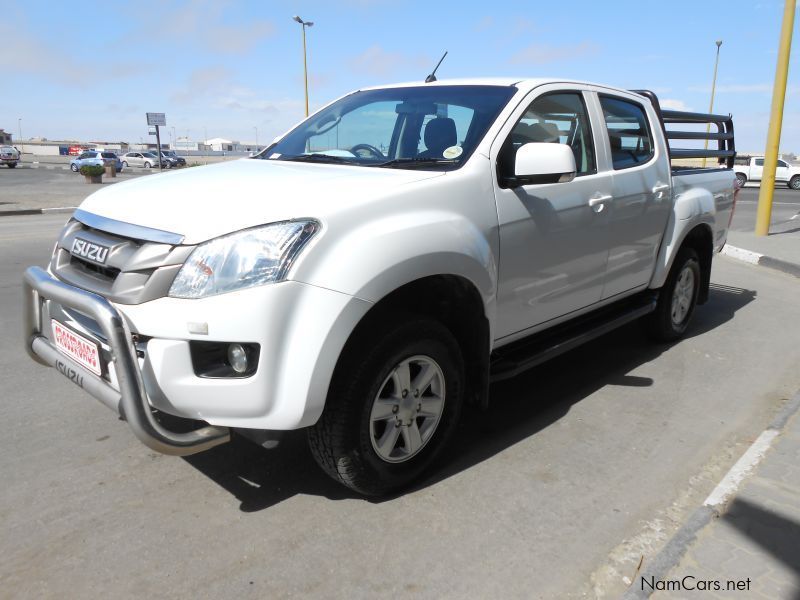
[[750, 168], [377, 266], [9, 156]]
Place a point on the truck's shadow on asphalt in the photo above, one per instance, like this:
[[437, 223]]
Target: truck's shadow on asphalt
[[519, 408]]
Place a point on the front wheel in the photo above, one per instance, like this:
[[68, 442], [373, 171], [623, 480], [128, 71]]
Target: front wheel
[[74, 168], [124, 165], [12, 165], [147, 165], [677, 299], [794, 182], [741, 179], [393, 406]]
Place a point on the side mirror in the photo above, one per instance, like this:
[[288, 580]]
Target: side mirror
[[544, 163]]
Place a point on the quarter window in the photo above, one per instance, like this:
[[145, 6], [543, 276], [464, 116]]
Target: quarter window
[[628, 132], [759, 162]]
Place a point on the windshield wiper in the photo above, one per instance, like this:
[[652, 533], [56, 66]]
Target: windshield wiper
[[320, 158], [415, 161]]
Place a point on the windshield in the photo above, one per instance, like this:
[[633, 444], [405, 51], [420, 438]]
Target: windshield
[[414, 127]]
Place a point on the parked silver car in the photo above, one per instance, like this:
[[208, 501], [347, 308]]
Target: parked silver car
[[139, 159], [95, 157]]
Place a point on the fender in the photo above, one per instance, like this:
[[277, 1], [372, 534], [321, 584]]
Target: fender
[[691, 208]]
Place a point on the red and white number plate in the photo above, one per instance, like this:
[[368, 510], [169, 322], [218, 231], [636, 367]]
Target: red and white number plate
[[77, 347]]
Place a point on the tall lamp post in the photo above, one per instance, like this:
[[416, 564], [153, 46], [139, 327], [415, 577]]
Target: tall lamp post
[[256, 128], [21, 143], [304, 24], [711, 104]]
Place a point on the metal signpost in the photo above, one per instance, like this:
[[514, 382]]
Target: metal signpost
[[157, 120]]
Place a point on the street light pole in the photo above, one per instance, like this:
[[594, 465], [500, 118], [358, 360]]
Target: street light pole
[[711, 105], [21, 143], [256, 128], [205, 144], [765, 195], [304, 24]]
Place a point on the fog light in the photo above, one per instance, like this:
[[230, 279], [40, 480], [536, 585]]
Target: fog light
[[237, 358]]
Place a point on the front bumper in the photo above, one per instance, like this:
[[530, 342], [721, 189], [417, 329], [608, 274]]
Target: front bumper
[[131, 400]]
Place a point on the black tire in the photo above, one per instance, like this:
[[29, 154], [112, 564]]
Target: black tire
[[342, 440], [12, 165], [742, 179], [146, 165], [674, 310], [794, 182], [124, 165], [74, 168]]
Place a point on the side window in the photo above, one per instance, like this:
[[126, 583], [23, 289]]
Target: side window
[[759, 162], [558, 118], [782, 164], [628, 132]]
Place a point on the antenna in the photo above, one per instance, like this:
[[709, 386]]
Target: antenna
[[432, 77]]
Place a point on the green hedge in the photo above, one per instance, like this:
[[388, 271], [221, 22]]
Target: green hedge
[[92, 170]]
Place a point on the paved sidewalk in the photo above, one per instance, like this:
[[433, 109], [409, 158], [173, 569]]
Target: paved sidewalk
[[779, 250], [748, 546]]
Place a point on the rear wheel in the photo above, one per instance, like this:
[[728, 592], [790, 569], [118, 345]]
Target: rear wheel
[[677, 299], [393, 405], [794, 182], [124, 165], [741, 178], [147, 165]]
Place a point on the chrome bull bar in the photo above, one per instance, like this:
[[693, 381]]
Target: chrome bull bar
[[131, 400]]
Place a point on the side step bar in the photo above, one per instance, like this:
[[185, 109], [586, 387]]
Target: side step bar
[[511, 360]]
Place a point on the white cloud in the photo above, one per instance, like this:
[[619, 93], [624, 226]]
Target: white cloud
[[674, 104], [378, 62], [202, 82], [746, 88], [204, 25], [539, 54]]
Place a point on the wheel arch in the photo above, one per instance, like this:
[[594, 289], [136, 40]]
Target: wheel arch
[[452, 300]]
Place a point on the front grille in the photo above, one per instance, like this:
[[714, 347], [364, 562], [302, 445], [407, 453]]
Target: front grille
[[135, 271], [107, 273]]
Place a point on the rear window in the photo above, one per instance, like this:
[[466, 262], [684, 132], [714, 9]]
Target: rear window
[[109, 155], [628, 132]]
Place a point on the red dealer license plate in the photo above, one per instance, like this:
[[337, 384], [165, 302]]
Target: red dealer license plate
[[77, 347]]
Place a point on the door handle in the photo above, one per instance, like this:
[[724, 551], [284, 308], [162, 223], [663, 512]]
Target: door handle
[[659, 190], [597, 203]]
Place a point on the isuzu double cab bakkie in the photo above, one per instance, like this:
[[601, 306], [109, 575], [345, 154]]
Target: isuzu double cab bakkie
[[376, 267]]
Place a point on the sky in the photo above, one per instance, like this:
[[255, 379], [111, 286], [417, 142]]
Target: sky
[[234, 68]]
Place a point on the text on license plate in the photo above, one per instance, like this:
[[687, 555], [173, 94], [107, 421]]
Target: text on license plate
[[77, 347]]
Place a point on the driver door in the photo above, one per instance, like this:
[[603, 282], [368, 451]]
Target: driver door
[[553, 244]]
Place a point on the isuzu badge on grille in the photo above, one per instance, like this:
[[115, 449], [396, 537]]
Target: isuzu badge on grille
[[89, 250]]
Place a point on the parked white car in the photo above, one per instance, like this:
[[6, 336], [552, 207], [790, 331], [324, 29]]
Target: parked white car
[[377, 266], [750, 168]]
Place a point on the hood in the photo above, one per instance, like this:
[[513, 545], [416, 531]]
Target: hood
[[201, 203]]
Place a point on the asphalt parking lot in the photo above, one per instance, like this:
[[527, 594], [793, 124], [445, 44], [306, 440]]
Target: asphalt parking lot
[[26, 187], [580, 468]]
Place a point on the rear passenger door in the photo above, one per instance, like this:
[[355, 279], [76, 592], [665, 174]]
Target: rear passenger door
[[641, 203]]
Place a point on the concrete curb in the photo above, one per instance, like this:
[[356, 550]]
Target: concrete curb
[[714, 506], [37, 211], [755, 258]]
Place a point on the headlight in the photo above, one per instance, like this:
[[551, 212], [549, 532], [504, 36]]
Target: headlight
[[243, 259]]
